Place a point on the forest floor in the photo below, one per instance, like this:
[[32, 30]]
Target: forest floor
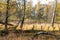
[[30, 36]]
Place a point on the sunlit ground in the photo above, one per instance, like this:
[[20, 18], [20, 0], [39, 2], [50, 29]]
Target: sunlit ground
[[45, 27]]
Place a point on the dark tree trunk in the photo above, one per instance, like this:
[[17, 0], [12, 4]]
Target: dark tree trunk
[[6, 20], [23, 15]]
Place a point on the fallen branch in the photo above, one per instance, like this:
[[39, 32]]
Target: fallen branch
[[7, 24]]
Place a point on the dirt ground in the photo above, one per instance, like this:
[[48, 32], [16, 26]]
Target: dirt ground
[[24, 36]]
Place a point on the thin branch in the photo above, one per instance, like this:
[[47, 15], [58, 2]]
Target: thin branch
[[16, 25]]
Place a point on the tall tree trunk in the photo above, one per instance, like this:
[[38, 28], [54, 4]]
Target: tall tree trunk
[[6, 20], [23, 15], [54, 13]]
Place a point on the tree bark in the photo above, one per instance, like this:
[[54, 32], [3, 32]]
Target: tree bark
[[54, 13], [23, 15], [6, 20]]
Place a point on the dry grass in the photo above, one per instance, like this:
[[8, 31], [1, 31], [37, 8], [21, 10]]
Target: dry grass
[[36, 27], [13, 36]]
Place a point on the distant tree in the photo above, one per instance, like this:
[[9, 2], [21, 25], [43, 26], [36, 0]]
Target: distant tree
[[37, 11], [28, 9], [57, 13]]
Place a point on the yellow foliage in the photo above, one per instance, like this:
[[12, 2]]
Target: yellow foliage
[[58, 7], [38, 6], [2, 7], [12, 7]]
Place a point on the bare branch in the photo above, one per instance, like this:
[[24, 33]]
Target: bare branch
[[7, 24]]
